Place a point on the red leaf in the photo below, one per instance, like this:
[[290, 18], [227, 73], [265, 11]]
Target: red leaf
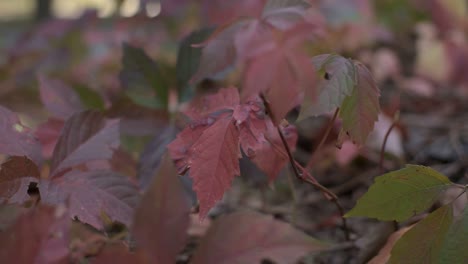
[[60, 99], [283, 74], [261, 142], [209, 146], [248, 237], [86, 136], [39, 236], [236, 41], [16, 139], [48, 133], [215, 162], [15, 176], [224, 99], [270, 156], [179, 149], [91, 193], [220, 12], [162, 214]]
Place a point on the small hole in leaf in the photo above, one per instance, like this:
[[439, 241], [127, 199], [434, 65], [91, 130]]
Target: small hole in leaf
[[327, 76], [33, 190]]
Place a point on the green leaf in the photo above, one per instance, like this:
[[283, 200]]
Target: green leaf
[[400, 194], [454, 249], [422, 243], [90, 98], [188, 59], [142, 78], [359, 111], [336, 80]]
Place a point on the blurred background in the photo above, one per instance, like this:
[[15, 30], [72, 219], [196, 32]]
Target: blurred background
[[40, 9]]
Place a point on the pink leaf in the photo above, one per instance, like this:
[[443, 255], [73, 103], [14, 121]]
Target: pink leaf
[[163, 213], [179, 149], [224, 99], [86, 136], [209, 146], [90, 193], [236, 41], [220, 12], [282, 75], [261, 143], [248, 237], [48, 133], [60, 99], [16, 139], [38, 236], [215, 162]]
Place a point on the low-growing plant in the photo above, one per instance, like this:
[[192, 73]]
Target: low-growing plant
[[73, 166]]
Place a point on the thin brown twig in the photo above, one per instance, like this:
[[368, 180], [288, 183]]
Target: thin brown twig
[[305, 176], [324, 138], [382, 150]]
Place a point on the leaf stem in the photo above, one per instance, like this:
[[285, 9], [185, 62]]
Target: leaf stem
[[304, 175], [324, 138], [382, 150]]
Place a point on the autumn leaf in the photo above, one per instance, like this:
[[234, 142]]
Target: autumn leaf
[[58, 98], [234, 42], [215, 162], [91, 193], [220, 12], [209, 147], [422, 243], [260, 140], [225, 99], [336, 81], [163, 213], [86, 136], [16, 139], [359, 111], [15, 176], [283, 73], [48, 133], [248, 237], [398, 195], [38, 236]]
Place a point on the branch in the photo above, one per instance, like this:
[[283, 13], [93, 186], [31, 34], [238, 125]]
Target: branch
[[304, 175]]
